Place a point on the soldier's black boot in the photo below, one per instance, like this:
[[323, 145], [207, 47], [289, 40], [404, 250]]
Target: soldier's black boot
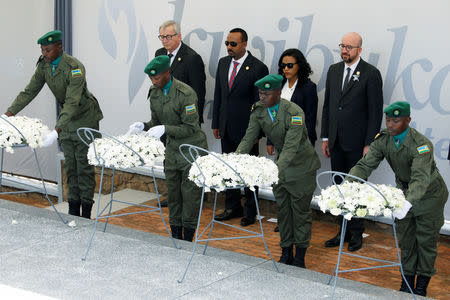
[[410, 279], [189, 234], [287, 256], [74, 208], [421, 285], [177, 232], [299, 259], [86, 209]]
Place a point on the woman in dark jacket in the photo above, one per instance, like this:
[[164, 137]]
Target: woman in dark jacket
[[298, 88]]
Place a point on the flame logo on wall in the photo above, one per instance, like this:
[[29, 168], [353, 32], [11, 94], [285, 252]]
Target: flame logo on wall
[[137, 53]]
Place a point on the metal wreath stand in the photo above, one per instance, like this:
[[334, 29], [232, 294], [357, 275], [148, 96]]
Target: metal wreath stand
[[194, 153], [387, 263], [87, 136], [31, 188]]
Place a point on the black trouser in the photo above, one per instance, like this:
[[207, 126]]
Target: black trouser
[[343, 161], [233, 196]]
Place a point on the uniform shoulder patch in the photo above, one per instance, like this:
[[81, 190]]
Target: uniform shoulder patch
[[190, 109], [296, 120], [76, 73], [423, 149]]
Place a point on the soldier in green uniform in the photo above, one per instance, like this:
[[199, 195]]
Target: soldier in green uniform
[[66, 78], [173, 106], [283, 122], [410, 155]]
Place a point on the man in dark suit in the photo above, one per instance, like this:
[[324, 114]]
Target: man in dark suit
[[234, 95], [351, 117], [185, 65]]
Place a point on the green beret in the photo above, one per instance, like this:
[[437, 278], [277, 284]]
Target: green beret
[[398, 109], [50, 38], [157, 65], [269, 82]]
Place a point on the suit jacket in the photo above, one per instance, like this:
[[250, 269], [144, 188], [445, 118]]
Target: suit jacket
[[231, 108], [353, 116], [189, 68], [305, 96]]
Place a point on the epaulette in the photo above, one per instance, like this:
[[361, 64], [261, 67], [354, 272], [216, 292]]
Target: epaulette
[[379, 134], [41, 58]]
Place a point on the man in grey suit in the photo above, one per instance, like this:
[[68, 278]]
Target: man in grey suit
[[234, 96], [185, 65], [351, 117]]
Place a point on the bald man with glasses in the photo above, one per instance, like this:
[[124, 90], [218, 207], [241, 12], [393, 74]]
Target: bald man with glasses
[[351, 117]]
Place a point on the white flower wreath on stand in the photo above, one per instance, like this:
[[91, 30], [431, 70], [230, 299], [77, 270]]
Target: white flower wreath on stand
[[354, 199], [33, 130], [114, 155], [254, 171]]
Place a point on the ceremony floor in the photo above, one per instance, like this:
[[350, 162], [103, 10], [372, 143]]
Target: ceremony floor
[[378, 243]]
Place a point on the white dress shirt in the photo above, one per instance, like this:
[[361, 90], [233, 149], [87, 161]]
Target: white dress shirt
[[240, 61]]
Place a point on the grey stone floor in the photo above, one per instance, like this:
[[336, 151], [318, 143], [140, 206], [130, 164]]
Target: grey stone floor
[[41, 257]]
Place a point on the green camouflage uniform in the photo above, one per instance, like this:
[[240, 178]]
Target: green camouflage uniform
[[297, 165], [78, 108], [178, 113], [417, 175]]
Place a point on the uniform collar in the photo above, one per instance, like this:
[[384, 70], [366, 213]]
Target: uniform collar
[[166, 88], [398, 139]]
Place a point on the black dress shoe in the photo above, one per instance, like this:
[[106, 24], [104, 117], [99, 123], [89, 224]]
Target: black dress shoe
[[163, 203], [355, 243], [246, 221], [334, 242], [228, 214]]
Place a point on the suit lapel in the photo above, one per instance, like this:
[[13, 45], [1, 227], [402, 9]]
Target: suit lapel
[[178, 58], [352, 79], [224, 73], [246, 66]]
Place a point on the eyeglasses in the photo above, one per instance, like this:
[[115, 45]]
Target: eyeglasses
[[347, 47], [167, 37], [232, 44], [289, 65]]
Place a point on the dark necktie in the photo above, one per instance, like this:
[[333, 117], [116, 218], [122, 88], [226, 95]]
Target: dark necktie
[[170, 55], [233, 74], [347, 77]]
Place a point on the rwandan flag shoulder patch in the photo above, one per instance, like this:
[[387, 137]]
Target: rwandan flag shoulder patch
[[296, 120], [423, 149], [191, 109], [76, 73]]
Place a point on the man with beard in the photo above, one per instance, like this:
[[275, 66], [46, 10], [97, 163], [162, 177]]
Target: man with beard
[[410, 155], [351, 117], [234, 96]]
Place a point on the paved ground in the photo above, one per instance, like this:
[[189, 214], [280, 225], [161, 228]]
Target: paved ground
[[40, 256]]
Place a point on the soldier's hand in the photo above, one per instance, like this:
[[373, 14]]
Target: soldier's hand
[[50, 139], [325, 149], [135, 128], [9, 114], [216, 133], [270, 149], [156, 131], [365, 150]]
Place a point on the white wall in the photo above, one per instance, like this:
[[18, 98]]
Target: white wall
[[22, 23], [406, 40]]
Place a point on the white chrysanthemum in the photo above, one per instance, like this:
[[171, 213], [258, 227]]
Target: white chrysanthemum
[[253, 171], [115, 155], [32, 129], [357, 199]]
